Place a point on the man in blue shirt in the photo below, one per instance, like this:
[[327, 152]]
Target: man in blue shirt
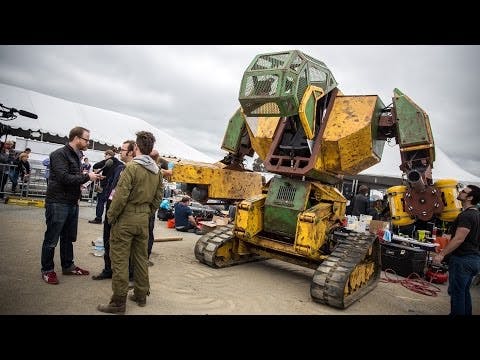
[[184, 220]]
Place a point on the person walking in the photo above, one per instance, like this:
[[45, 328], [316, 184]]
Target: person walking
[[61, 205], [463, 252], [126, 155], [137, 195]]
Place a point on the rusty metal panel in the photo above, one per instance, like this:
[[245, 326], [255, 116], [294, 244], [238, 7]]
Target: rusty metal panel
[[348, 140]]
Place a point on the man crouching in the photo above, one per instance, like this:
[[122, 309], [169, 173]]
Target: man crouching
[[137, 195]]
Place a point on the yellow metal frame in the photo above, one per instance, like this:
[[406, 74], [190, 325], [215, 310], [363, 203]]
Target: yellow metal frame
[[222, 183], [396, 195], [249, 217], [12, 200], [430, 147], [449, 190], [317, 93], [311, 229]]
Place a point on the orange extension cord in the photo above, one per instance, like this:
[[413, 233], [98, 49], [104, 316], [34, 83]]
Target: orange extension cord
[[413, 282]]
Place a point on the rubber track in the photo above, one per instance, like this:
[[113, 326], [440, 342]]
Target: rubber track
[[207, 246], [331, 276]]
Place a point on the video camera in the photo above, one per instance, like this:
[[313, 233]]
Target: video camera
[[11, 113]]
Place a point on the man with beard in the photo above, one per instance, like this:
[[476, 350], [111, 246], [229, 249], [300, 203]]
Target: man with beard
[[61, 204]]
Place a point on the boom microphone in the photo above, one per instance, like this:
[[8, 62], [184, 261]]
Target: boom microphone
[[108, 163], [27, 114]]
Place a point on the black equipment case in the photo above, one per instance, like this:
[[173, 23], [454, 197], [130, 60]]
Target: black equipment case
[[404, 260]]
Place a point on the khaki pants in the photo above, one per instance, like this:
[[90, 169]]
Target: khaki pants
[[128, 240]]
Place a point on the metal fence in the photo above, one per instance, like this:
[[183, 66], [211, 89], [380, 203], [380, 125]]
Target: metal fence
[[35, 185]]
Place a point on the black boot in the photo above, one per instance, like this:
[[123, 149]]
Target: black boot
[[116, 305], [141, 300], [103, 275]]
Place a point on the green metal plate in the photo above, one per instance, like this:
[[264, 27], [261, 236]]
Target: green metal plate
[[412, 128], [233, 134], [286, 199], [377, 144]]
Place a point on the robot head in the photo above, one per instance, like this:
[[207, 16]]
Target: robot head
[[274, 84]]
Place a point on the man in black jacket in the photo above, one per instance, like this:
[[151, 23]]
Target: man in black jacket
[[108, 166], [61, 204]]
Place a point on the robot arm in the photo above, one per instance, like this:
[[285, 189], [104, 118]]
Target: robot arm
[[410, 126]]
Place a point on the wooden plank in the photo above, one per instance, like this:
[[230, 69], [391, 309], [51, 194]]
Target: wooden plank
[[170, 238]]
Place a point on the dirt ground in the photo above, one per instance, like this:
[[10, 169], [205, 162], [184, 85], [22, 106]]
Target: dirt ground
[[180, 285]]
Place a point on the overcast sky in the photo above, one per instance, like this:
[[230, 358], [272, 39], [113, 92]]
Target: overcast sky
[[191, 92]]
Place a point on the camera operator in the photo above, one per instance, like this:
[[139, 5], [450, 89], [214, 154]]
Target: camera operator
[[7, 158]]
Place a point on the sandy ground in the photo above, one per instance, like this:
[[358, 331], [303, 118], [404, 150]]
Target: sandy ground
[[180, 285]]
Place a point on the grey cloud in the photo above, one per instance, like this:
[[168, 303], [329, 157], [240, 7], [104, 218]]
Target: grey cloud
[[192, 91]]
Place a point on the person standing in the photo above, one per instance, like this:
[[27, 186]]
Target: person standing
[[46, 163], [86, 166], [360, 201], [137, 195], [61, 205], [7, 158], [126, 155], [23, 170], [108, 167], [463, 252]]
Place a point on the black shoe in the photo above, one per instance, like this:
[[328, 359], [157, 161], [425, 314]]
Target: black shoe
[[95, 221], [103, 275]]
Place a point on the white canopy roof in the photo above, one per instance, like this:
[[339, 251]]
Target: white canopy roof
[[443, 167], [57, 117]]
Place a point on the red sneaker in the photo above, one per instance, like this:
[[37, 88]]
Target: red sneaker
[[50, 277], [76, 271]]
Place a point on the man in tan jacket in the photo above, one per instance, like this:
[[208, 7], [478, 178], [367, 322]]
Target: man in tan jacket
[[136, 198]]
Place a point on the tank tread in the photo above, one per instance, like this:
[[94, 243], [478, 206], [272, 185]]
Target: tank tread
[[330, 279], [208, 245]]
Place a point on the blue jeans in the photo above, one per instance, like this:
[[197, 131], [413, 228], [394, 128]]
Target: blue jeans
[[13, 175], [461, 271], [62, 223]]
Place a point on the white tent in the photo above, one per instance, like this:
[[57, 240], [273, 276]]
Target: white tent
[[57, 116], [443, 168]]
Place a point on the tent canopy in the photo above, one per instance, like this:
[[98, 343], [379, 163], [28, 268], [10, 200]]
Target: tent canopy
[[388, 171], [57, 116]]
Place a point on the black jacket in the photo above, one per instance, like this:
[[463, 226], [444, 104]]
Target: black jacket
[[108, 171], [65, 177]]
